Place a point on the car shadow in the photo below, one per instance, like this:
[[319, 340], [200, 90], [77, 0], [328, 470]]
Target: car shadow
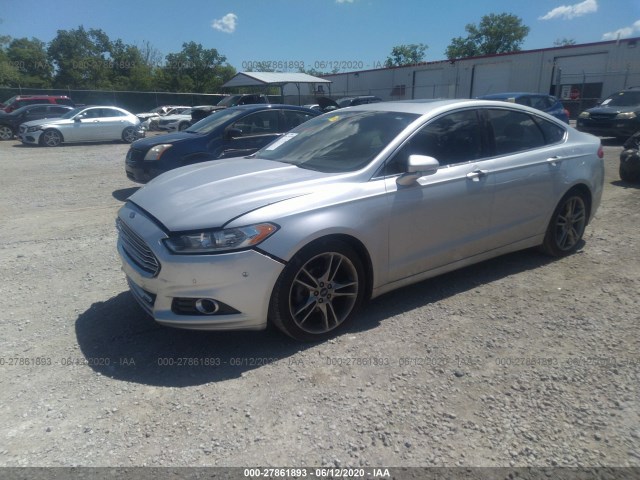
[[623, 184], [120, 341], [124, 193]]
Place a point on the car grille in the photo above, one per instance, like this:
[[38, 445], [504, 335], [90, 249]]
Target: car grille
[[602, 117], [137, 250], [135, 156], [144, 298]]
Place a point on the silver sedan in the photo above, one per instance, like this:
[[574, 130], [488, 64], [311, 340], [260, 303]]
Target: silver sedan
[[85, 124], [353, 204]]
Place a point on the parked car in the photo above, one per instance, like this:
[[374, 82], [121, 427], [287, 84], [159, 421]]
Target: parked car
[[179, 121], [630, 159], [23, 100], [327, 104], [244, 99], [540, 101], [234, 131], [617, 116], [85, 124], [149, 119], [353, 204], [10, 122]]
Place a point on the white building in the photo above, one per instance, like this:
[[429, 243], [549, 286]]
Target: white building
[[577, 74]]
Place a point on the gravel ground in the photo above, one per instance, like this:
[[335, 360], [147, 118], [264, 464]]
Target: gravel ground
[[518, 361]]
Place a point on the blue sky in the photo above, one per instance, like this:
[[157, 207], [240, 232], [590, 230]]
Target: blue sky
[[360, 33]]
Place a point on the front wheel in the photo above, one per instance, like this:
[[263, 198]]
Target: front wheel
[[318, 291], [629, 172], [567, 226], [6, 133], [129, 135], [51, 138]]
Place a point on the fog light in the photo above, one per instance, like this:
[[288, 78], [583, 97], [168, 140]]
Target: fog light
[[207, 306]]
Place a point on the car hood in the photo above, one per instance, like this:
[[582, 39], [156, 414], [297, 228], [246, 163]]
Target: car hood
[[613, 109], [177, 116], [176, 137], [49, 121], [211, 194]]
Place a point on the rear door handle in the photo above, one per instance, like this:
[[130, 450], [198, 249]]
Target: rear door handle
[[554, 160], [477, 175]]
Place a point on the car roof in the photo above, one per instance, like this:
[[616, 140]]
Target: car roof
[[260, 106], [513, 95], [433, 106]]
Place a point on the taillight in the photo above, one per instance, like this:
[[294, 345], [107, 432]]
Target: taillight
[[600, 152]]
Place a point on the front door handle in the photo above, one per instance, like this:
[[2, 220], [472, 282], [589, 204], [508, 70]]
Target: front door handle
[[476, 175], [554, 160]]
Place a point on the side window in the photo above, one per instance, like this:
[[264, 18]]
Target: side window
[[293, 119], [514, 131], [552, 132], [38, 110], [454, 138], [92, 113], [58, 110], [260, 123]]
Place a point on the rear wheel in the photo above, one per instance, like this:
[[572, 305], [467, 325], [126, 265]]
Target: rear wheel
[[183, 126], [129, 135], [318, 291], [5, 132], [567, 225], [50, 138]]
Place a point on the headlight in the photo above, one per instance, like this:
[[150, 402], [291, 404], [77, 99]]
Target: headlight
[[33, 129], [626, 116], [215, 241], [156, 152], [584, 115]]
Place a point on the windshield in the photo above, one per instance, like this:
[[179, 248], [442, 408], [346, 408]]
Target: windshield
[[72, 113], [229, 101], [338, 142], [623, 99], [215, 120]]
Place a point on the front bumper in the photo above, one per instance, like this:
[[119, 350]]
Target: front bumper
[[242, 281], [608, 128], [31, 138]]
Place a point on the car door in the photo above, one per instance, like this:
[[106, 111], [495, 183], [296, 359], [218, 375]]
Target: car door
[[443, 217], [84, 127], [112, 123], [525, 170], [251, 133], [35, 113]]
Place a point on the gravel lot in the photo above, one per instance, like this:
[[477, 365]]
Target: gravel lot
[[519, 361]]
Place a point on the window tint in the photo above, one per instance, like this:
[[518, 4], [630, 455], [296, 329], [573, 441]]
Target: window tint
[[552, 132], [454, 138], [514, 131], [38, 110], [58, 110], [260, 123], [110, 112], [64, 101], [292, 118]]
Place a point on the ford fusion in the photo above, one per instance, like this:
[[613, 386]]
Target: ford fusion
[[353, 204]]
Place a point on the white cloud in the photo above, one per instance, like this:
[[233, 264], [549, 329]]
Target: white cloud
[[623, 32], [572, 11], [226, 24]]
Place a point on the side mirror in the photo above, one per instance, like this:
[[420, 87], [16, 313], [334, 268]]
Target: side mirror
[[418, 166], [231, 133], [77, 119]]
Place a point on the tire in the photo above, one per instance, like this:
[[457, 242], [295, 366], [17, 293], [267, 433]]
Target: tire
[[6, 133], [566, 226], [318, 291], [183, 126], [628, 173], [50, 138], [129, 135]]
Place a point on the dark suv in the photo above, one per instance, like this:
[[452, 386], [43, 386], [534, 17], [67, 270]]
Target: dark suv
[[617, 116], [10, 122], [23, 100]]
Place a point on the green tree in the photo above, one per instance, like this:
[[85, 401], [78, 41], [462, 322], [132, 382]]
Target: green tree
[[81, 58], [9, 75], [129, 69], [195, 69], [496, 33], [406, 55], [564, 42], [30, 59]]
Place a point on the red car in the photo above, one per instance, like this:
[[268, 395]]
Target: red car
[[18, 101]]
